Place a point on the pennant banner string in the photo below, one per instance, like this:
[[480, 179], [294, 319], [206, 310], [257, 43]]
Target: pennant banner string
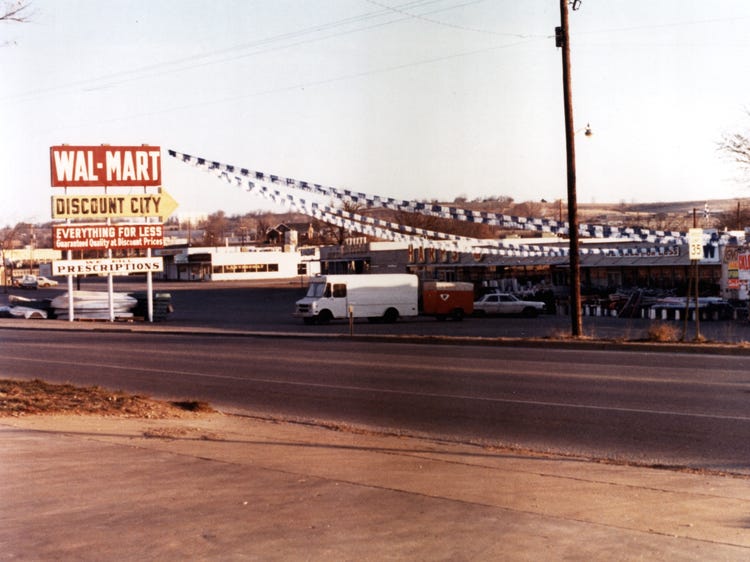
[[378, 228], [442, 211], [280, 190], [349, 221]]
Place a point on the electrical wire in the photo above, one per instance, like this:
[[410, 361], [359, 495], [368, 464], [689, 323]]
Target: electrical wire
[[259, 47]]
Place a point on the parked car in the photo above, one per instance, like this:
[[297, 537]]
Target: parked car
[[507, 303], [33, 281], [45, 282]]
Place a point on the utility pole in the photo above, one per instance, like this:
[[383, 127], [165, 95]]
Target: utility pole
[[562, 36]]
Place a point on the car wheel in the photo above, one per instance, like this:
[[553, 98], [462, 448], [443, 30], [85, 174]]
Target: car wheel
[[390, 316], [325, 317]]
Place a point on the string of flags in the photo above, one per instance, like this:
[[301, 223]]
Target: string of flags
[[281, 190], [377, 228]]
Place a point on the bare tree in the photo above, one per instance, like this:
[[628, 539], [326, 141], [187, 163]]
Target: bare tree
[[215, 229], [263, 223], [527, 209], [15, 11], [737, 147], [734, 219], [349, 207]]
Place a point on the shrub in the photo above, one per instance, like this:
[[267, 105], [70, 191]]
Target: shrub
[[662, 332]]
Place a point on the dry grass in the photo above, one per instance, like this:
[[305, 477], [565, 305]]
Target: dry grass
[[21, 397], [561, 334], [663, 332]]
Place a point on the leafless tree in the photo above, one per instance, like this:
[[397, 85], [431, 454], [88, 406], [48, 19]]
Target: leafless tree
[[14, 11], [17, 11], [214, 229], [527, 209], [737, 147], [263, 223], [354, 208]]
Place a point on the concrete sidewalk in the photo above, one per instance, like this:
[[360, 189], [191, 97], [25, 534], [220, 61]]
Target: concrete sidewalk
[[224, 487]]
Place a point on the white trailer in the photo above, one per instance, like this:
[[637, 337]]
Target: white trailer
[[374, 296]]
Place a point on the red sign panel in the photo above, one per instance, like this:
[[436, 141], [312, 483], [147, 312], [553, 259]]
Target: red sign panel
[[107, 236], [97, 166]]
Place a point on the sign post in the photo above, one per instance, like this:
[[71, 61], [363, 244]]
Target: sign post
[[695, 241]]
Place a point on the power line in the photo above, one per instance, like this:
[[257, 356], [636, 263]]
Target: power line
[[405, 9], [322, 82], [194, 61], [663, 25], [453, 25]]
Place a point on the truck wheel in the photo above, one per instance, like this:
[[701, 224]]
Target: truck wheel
[[391, 315], [458, 314], [325, 317]]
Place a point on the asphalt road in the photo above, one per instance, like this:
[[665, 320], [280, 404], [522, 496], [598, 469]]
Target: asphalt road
[[663, 408]]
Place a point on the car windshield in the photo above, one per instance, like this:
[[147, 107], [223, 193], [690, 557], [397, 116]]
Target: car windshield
[[316, 290]]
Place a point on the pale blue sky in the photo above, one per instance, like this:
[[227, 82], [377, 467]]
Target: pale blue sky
[[421, 99]]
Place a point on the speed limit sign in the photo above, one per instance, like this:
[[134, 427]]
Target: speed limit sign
[[695, 241]]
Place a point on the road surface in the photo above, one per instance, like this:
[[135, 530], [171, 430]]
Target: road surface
[[652, 408]]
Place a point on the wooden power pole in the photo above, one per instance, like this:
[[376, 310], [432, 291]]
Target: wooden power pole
[[563, 41]]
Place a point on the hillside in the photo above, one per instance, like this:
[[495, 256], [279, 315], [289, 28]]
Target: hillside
[[673, 215]]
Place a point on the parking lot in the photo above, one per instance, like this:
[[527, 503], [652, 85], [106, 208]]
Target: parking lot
[[268, 307]]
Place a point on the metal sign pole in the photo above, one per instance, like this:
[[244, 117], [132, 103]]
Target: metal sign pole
[[71, 308], [150, 290], [697, 307], [149, 281], [695, 244], [687, 303], [111, 289]]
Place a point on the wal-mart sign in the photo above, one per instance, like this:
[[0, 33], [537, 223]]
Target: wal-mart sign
[[102, 166]]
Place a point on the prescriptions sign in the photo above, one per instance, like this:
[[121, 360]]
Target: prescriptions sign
[[114, 266], [100, 166]]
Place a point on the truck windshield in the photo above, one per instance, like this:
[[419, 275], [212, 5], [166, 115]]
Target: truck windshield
[[316, 290]]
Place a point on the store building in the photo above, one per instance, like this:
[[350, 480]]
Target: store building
[[234, 263], [604, 265]]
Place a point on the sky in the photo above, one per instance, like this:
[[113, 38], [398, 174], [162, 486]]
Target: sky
[[412, 99]]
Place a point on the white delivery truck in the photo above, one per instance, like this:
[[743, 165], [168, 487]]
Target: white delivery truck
[[387, 297]]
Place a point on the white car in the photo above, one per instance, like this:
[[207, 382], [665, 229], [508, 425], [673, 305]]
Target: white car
[[45, 282], [34, 281], [506, 303]]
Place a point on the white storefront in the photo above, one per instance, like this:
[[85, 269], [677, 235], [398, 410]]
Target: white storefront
[[232, 263]]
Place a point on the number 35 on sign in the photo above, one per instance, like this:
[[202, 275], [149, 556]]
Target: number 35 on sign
[[695, 241]]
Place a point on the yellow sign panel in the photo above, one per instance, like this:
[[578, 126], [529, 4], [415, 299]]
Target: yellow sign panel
[[112, 206], [695, 242]]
